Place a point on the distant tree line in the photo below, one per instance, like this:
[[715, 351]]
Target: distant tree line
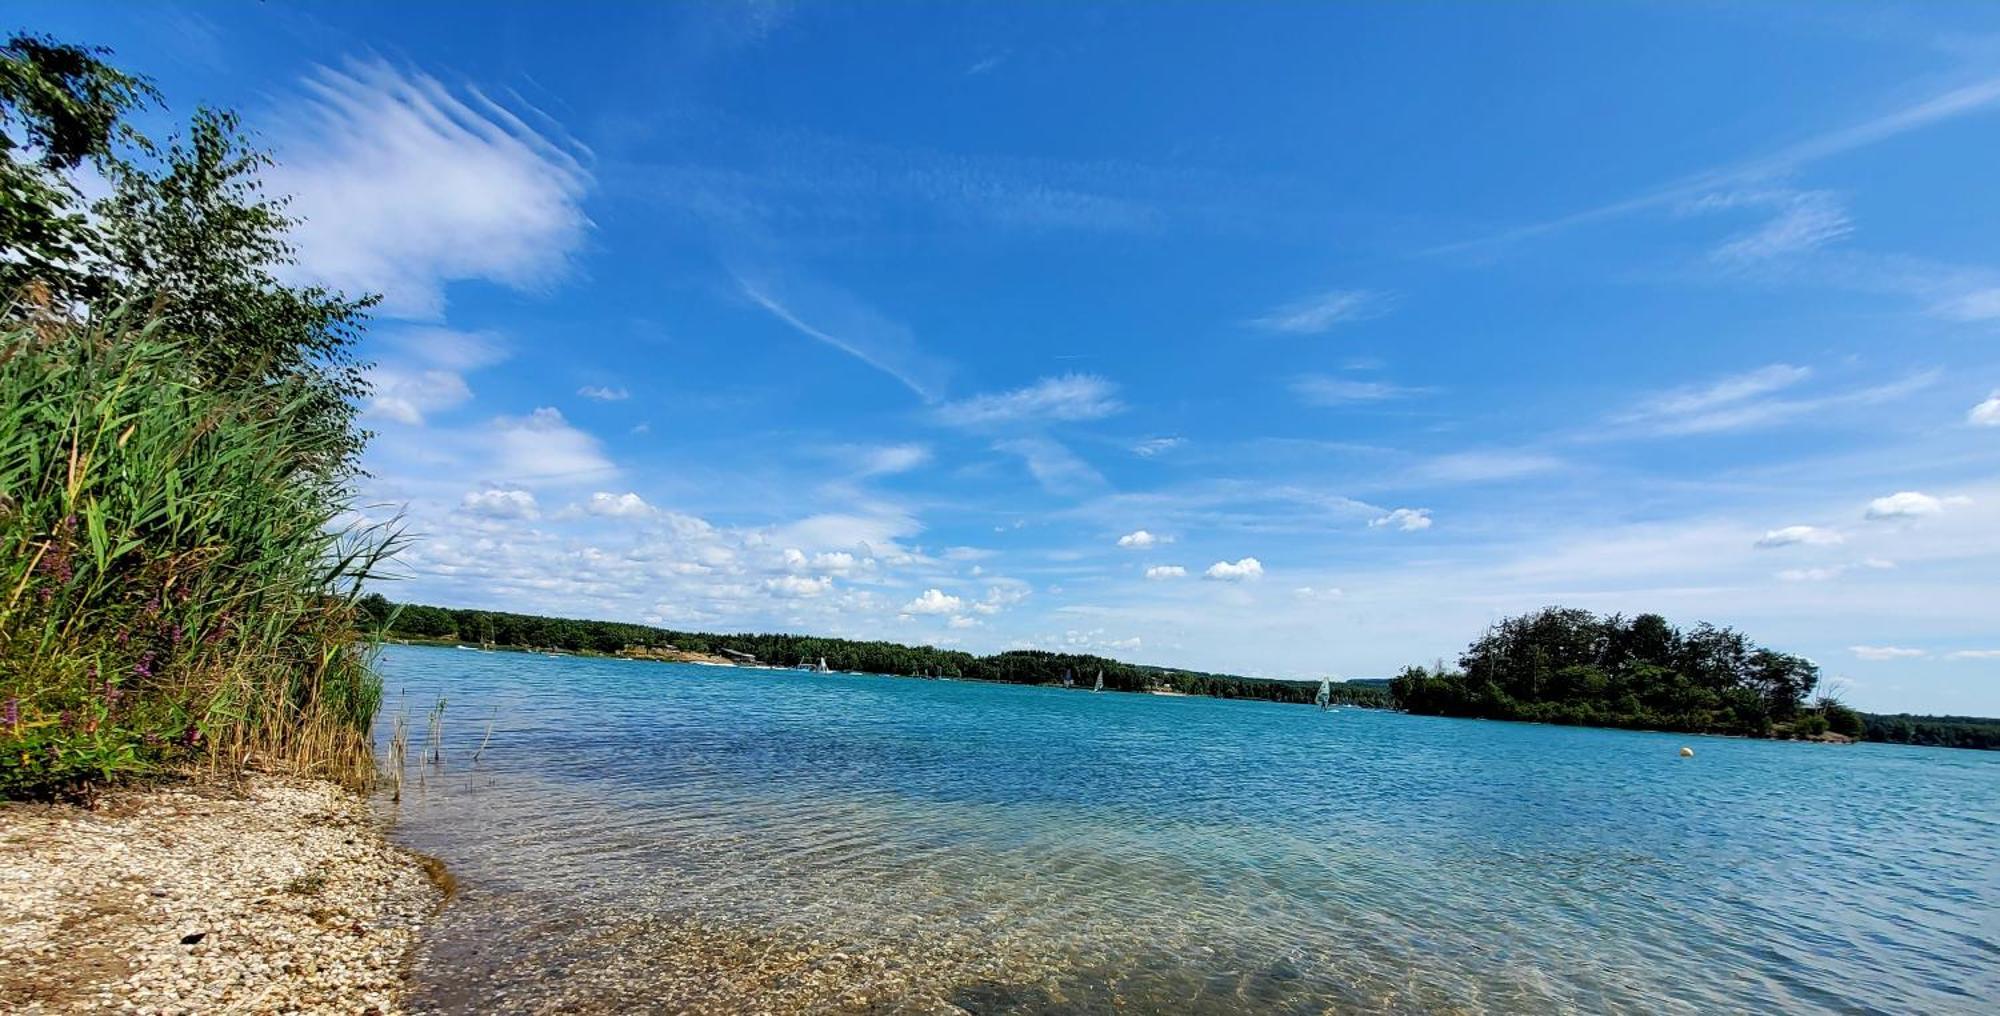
[[1025, 666], [1561, 665], [1940, 731]]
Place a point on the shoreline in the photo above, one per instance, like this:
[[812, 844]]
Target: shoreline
[[265, 894]]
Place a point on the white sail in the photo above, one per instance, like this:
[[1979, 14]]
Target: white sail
[[1325, 697], [1100, 681]]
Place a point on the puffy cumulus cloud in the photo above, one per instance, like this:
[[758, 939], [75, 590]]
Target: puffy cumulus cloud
[[1236, 571], [604, 394], [1985, 414], [1792, 535], [404, 185], [500, 503], [1322, 311], [1070, 397], [1162, 572], [934, 601], [798, 586], [1911, 504], [1879, 653], [619, 506], [1407, 520], [542, 446], [1138, 539]]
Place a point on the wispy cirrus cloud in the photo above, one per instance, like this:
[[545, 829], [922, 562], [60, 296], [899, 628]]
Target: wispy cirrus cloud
[[1069, 398], [1322, 390], [1750, 400], [404, 185], [1800, 221], [1964, 100], [1320, 312], [836, 318]]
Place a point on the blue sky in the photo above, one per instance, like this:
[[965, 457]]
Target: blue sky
[[1282, 340]]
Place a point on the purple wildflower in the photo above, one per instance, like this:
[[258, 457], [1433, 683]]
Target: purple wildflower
[[10, 714]]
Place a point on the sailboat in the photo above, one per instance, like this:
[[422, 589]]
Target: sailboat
[[1069, 680], [1324, 699], [1100, 682]]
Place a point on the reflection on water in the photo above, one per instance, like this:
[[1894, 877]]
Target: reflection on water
[[645, 835]]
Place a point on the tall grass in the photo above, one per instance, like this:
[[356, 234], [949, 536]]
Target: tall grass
[[177, 568]]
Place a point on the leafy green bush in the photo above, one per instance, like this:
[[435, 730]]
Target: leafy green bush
[[175, 579]]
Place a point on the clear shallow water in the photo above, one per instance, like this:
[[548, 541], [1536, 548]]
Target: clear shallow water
[[647, 835]]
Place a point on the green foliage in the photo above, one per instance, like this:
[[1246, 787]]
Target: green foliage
[[59, 108], [1938, 731], [187, 233], [178, 438], [526, 631], [1570, 666], [175, 585]]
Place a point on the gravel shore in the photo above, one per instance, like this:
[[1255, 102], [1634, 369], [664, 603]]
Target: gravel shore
[[268, 895]]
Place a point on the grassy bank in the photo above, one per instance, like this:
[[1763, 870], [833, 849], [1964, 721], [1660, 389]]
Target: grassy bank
[[176, 582]]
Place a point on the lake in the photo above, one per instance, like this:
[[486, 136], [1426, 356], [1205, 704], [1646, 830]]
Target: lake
[[653, 836]]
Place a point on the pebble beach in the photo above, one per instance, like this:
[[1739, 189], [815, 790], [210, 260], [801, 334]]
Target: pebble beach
[[263, 895]]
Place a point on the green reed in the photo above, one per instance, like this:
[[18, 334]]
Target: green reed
[[178, 568]]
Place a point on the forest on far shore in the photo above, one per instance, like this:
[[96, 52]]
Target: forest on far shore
[[1552, 666]]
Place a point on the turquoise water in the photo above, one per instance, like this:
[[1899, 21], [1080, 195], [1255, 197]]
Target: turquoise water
[[658, 836]]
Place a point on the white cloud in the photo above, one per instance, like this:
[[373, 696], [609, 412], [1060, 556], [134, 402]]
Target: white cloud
[[835, 317], [1978, 305], [1976, 654], [1802, 221], [1323, 311], [1052, 464], [1791, 535], [543, 446], [1985, 414], [885, 460], [1746, 400], [1811, 574], [963, 622], [1161, 572], [1318, 593], [619, 506], [1137, 539], [1879, 653], [1070, 397], [1690, 405], [1407, 520], [798, 586], [934, 601], [604, 394], [1247, 568], [407, 396], [1911, 504], [500, 503], [1156, 446], [1320, 390], [404, 186], [1485, 466]]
